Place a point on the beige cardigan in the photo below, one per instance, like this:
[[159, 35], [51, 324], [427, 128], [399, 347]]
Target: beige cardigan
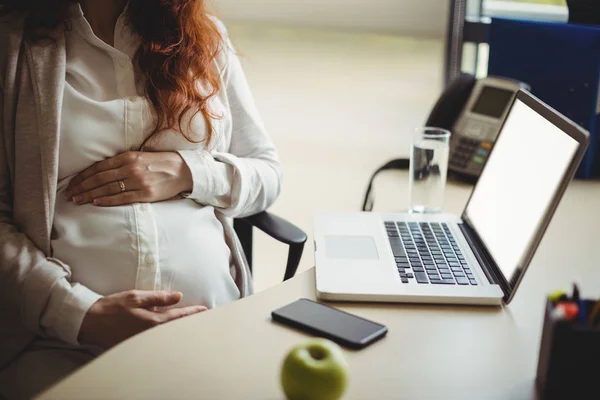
[[31, 83]]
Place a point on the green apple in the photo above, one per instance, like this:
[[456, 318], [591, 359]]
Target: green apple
[[315, 370]]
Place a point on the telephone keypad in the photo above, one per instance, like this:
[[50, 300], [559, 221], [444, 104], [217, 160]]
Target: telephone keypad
[[482, 152], [469, 152]]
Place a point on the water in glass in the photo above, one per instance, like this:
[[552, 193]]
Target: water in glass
[[428, 170]]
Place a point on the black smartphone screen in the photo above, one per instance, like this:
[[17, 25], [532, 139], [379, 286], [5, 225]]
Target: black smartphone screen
[[325, 321]]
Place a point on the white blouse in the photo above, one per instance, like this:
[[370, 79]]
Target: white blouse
[[177, 244]]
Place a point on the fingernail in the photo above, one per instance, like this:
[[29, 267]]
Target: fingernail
[[77, 199], [96, 202]]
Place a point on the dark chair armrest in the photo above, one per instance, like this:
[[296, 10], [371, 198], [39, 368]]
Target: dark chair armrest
[[278, 228], [282, 231]]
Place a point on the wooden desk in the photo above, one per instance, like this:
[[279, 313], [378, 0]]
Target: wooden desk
[[430, 352]]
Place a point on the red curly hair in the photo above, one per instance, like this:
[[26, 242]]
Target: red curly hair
[[175, 60]]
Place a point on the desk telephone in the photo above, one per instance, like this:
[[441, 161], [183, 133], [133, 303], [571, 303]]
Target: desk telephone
[[473, 110]]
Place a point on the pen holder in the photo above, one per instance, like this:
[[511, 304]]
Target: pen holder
[[569, 358]]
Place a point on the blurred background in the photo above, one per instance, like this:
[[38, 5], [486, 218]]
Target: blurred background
[[341, 84]]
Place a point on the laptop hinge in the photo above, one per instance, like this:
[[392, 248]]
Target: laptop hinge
[[489, 266]]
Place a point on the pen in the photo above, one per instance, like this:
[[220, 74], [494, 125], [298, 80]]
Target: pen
[[580, 302], [582, 319], [594, 314], [575, 296]]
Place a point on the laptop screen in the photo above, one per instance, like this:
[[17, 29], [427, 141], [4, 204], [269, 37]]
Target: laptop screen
[[518, 185]]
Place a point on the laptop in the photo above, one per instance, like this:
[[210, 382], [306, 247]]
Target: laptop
[[478, 258]]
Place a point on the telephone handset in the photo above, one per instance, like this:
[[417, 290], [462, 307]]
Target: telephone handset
[[473, 111]]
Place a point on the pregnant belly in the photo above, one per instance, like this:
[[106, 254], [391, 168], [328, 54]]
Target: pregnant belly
[[176, 245], [98, 244], [195, 258]]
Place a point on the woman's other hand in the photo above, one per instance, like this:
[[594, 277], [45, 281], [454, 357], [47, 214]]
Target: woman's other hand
[[117, 317], [132, 177]]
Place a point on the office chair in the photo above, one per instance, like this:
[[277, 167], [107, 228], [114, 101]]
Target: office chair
[[280, 230]]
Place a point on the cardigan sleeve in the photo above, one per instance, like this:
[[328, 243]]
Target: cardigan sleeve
[[36, 295], [32, 286], [246, 179]]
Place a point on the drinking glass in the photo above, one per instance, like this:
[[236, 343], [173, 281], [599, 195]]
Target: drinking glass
[[428, 169]]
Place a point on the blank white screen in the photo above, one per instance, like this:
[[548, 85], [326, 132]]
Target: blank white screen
[[518, 184]]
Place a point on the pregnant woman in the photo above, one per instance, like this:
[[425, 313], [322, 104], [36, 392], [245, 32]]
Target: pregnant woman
[[128, 135]]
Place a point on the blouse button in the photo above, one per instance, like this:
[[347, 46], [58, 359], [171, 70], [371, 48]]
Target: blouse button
[[149, 260]]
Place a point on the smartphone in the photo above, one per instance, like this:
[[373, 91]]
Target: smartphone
[[321, 320]]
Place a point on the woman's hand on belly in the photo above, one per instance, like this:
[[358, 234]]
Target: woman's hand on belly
[[132, 177], [120, 316]]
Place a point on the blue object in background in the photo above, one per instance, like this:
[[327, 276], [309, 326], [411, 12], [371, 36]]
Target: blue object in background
[[561, 63]]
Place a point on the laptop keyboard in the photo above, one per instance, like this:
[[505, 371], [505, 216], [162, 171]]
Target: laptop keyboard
[[428, 253]]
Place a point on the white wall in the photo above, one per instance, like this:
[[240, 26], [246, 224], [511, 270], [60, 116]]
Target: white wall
[[414, 17]]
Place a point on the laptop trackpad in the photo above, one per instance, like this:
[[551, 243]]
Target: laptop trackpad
[[351, 247]]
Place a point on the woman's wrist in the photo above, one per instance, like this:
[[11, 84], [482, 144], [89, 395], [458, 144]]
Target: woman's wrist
[[85, 336], [185, 178]]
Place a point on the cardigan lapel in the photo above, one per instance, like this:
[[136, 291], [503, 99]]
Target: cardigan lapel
[[47, 63]]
